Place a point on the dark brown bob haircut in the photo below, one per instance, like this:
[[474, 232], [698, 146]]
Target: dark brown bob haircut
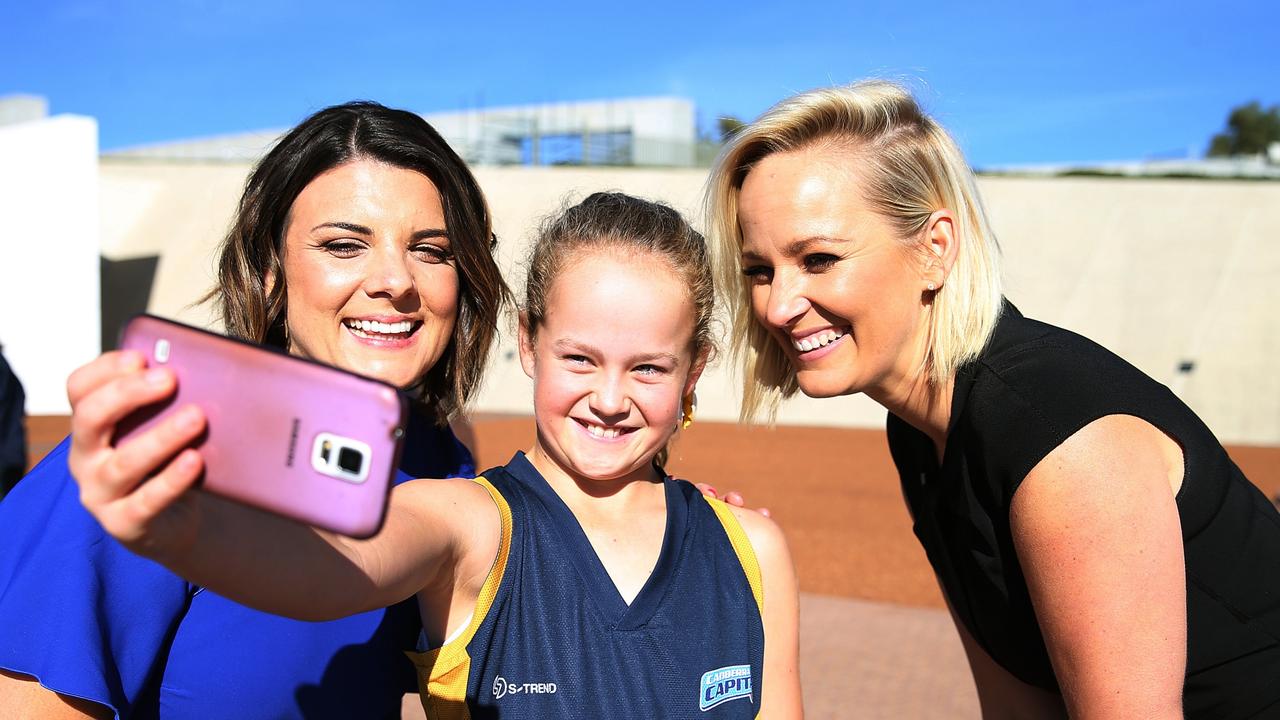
[[253, 249]]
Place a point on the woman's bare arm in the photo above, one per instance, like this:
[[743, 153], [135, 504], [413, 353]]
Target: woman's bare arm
[[21, 696], [434, 530], [141, 492], [1099, 538], [1001, 695]]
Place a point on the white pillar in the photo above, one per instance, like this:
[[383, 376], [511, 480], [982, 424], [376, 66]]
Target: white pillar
[[49, 254]]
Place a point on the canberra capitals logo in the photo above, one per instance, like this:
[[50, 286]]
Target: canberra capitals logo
[[502, 688], [724, 684]]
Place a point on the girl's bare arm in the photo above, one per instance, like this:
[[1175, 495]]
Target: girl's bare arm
[[781, 696]]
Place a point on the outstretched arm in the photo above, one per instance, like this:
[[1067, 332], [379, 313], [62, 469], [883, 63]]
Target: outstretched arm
[[24, 696], [141, 492], [781, 696], [1098, 535]]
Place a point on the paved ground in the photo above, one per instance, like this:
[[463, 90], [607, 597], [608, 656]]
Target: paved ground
[[870, 660], [875, 641]]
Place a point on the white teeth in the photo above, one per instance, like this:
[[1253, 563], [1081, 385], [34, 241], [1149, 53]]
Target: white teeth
[[815, 341], [603, 432], [363, 327]]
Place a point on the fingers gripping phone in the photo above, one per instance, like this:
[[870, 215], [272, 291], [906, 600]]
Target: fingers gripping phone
[[284, 434]]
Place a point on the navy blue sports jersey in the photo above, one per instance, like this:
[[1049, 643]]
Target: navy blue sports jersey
[[552, 637]]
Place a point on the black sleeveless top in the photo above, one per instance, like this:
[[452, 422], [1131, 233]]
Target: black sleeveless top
[[1033, 386]]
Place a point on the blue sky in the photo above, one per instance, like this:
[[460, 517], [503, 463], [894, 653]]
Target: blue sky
[[1017, 82]]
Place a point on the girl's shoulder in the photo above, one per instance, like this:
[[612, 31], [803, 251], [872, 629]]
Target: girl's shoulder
[[756, 538]]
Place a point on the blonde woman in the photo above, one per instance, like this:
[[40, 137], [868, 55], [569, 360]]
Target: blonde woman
[[1100, 553]]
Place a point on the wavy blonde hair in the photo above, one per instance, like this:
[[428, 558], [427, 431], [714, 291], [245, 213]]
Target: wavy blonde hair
[[911, 167]]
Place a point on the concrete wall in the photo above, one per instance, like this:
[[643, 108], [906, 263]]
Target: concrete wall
[[1163, 272], [49, 253], [177, 211]]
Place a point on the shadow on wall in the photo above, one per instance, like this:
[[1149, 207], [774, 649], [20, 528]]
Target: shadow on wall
[[126, 290]]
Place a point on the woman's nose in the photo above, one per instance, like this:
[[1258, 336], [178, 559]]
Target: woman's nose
[[389, 274], [786, 302]]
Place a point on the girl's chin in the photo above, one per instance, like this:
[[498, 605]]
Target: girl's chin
[[606, 470], [598, 469]]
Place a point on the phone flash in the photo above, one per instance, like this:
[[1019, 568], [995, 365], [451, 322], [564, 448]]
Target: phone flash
[[341, 457], [162, 351]]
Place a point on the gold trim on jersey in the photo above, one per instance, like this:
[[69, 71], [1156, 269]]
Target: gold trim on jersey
[[443, 672], [742, 547]]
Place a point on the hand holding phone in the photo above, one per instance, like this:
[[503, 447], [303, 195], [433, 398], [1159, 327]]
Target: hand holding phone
[[284, 434]]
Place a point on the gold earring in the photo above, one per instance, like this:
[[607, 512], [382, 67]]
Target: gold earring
[[687, 408]]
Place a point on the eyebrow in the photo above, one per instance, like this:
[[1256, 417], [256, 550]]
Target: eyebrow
[[365, 230], [431, 233], [567, 344], [349, 227], [798, 246]]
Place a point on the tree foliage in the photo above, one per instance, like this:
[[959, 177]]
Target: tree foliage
[[1250, 130], [728, 126]]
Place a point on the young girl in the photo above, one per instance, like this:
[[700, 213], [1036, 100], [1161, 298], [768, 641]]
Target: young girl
[[577, 580]]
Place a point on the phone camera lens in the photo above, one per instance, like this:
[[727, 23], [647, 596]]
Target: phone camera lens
[[350, 460]]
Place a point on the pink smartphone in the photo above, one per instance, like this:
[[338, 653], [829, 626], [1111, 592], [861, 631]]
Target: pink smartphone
[[284, 434]]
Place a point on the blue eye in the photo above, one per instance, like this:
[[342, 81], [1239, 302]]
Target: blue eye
[[652, 370]]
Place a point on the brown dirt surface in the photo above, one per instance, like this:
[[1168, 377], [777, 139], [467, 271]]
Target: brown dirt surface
[[833, 490]]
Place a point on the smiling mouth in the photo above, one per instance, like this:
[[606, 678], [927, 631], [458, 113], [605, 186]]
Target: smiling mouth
[[375, 330], [818, 340], [604, 432]]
